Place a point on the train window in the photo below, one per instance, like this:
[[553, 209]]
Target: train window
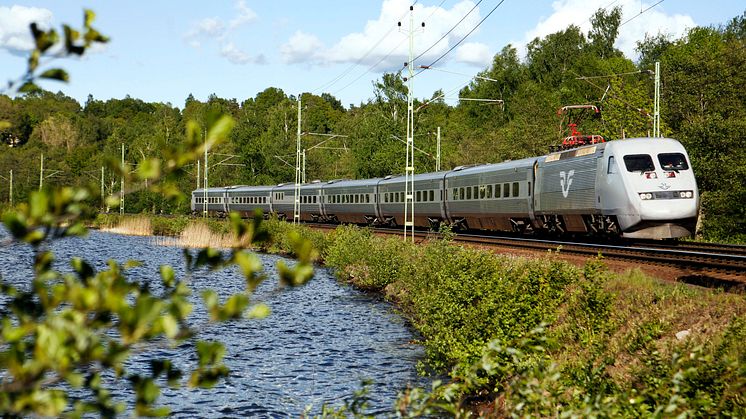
[[489, 191], [367, 198], [639, 163], [612, 166], [506, 190], [529, 188], [419, 196], [482, 192], [468, 193], [516, 189], [432, 195], [455, 194], [672, 161], [357, 198], [476, 192], [314, 199]]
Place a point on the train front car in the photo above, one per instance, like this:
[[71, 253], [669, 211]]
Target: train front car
[[649, 186]]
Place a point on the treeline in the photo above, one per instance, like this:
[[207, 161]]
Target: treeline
[[703, 105]]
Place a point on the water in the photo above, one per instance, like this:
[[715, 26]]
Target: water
[[316, 347]]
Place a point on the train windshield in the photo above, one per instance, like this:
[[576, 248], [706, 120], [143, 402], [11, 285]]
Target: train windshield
[[639, 163], [672, 161]]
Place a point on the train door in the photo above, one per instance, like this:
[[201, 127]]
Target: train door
[[535, 198], [442, 197]]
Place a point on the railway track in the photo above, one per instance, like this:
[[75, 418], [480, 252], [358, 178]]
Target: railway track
[[707, 264]]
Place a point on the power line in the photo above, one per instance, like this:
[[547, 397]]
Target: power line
[[371, 67], [360, 60], [449, 31], [464, 38], [641, 12]]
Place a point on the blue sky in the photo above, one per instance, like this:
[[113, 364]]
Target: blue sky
[[163, 51]]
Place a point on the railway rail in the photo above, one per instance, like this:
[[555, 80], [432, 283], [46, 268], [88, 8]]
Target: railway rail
[[706, 264]]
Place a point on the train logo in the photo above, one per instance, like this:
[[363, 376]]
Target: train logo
[[566, 181], [665, 186]]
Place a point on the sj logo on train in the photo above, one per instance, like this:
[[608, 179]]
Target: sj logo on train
[[566, 181]]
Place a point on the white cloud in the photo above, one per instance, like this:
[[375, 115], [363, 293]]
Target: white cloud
[[15, 34], [382, 43], [302, 47], [474, 53], [214, 30], [245, 15], [579, 12], [238, 56]]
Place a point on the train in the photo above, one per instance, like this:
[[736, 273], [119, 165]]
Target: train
[[637, 188]]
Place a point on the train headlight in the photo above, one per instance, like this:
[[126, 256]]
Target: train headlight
[[689, 194], [682, 194], [646, 195]]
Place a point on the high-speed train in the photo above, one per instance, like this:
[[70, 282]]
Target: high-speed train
[[635, 188]]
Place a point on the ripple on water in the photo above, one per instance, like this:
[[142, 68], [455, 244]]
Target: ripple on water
[[316, 347]]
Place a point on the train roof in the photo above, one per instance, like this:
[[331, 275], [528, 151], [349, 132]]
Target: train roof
[[644, 144], [350, 183], [419, 177], [506, 165]]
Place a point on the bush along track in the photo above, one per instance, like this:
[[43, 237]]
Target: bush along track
[[544, 338]]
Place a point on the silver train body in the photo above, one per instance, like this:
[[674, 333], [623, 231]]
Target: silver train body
[[635, 188]]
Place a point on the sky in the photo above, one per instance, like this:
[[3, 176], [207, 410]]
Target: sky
[[163, 51]]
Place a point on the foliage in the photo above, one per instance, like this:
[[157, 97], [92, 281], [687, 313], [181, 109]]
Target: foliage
[[69, 330], [702, 105], [543, 338]]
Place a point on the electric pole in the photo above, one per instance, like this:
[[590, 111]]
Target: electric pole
[[437, 153], [296, 201], [204, 183], [103, 191], [409, 162], [657, 102], [121, 188], [41, 172]]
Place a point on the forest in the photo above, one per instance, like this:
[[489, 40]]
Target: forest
[[703, 105]]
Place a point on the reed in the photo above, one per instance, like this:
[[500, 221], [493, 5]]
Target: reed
[[199, 234], [138, 225]]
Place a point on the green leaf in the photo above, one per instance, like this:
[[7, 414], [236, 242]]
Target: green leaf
[[258, 311], [209, 353], [29, 87], [149, 169], [168, 276], [88, 17], [55, 74]]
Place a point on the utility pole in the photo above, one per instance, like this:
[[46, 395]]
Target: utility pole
[[409, 163], [198, 165], [121, 188], [657, 102], [303, 177], [437, 153], [296, 201], [103, 191], [204, 183], [41, 172]]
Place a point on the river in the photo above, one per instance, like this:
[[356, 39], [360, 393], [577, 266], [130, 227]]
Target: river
[[316, 347]]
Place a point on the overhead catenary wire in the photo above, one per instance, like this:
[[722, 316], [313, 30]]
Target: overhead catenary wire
[[639, 14], [463, 38], [449, 31], [370, 51]]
